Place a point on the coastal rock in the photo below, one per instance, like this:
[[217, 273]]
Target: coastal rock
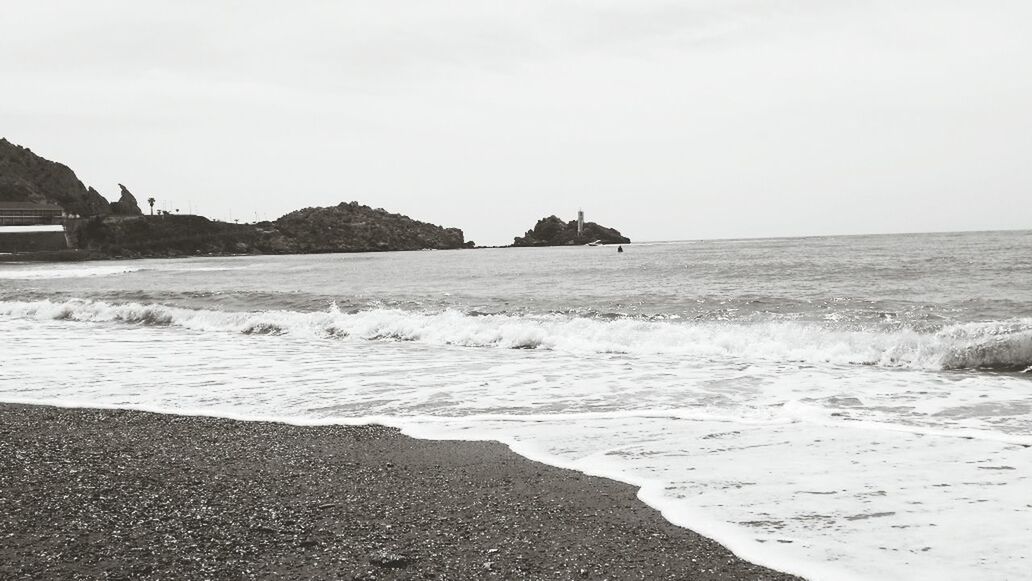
[[120, 229], [160, 236], [345, 228], [353, 227], [27, 177], [126, 205], [552, 231]]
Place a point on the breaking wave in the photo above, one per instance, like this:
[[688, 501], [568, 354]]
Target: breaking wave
[[36, 273], [999, 345]]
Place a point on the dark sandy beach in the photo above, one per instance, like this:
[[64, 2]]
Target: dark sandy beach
[[100, 494]]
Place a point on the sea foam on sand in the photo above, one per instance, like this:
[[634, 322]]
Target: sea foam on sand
[[882, 479]]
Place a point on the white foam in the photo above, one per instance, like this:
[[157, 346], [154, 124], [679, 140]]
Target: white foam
[[51, 271], [992, 345], [714, 447]]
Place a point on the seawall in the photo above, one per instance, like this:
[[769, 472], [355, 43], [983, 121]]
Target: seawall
[[32, 239]]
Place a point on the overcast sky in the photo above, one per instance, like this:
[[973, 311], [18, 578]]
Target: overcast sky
[[665, 119]]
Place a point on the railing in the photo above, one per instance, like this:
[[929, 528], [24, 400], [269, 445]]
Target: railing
[[29, 217]]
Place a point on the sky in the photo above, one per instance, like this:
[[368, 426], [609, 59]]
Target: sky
[[667, 120]]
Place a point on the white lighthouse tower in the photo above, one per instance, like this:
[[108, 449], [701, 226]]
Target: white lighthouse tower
[[580, 222]]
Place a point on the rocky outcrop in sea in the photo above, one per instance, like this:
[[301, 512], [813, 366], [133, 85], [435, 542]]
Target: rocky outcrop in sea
[[552, 231]]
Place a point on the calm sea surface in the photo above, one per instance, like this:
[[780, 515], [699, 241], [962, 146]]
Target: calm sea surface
[[850, 407]]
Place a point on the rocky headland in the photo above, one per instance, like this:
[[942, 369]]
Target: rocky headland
[[348, 227], [553, 231], [352, 227], [105, 229], [27, 177]]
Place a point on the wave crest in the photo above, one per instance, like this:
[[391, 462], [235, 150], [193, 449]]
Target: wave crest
[[1001, 345]]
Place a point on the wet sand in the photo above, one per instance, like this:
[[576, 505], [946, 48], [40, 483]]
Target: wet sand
[[103, 494]]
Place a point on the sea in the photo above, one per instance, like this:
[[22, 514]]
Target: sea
[[851, 407]]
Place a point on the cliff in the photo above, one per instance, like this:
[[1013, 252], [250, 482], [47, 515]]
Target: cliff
[[27, 177], [552, 231]]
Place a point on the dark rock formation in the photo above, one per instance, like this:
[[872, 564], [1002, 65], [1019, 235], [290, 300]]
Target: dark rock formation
[[121, 229], [27, 177], [126, 205], [171, 235], [344, 228], [352, 227], [552, 231]]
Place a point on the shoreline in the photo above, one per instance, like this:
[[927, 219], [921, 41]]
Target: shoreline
[[131, 494], [80, 255]]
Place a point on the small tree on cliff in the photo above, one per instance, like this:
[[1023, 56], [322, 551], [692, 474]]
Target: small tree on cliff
[[151, 202]]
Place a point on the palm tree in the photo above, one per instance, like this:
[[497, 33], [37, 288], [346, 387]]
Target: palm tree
[[151, 202]]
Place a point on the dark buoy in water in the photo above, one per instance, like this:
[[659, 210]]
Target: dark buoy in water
[[619, 248]]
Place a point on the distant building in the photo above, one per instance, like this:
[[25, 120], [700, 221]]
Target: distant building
[[580, 222], [29, 214]]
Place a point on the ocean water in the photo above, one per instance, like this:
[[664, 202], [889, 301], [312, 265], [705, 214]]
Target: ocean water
[[840, 408]]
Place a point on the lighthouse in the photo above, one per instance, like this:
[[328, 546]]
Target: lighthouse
[[580, 222]]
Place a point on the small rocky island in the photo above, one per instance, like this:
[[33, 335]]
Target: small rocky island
[[96, 228], [552, 231]]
